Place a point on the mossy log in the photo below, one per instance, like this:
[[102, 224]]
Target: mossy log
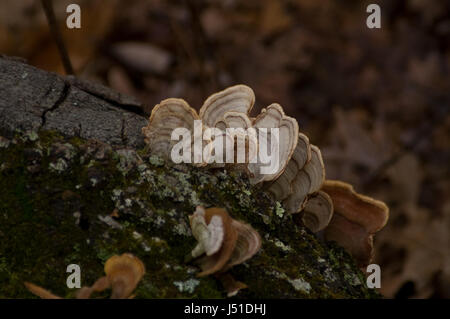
[[78, 185]]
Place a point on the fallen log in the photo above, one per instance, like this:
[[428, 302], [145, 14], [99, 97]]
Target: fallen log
[[77, 186]]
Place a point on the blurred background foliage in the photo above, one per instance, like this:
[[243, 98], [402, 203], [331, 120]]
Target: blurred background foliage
[[376, 101]]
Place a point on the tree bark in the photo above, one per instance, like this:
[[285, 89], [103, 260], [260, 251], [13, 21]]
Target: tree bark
[[32, 99]]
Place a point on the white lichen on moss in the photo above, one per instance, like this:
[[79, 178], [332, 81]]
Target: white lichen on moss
[[279, 210], [159, 221], [116, 194], [137, 236], [32, 136], [127, 160], [195, 201], [128, 202], [94, 181], [59, 166], [352, 279], [108, 220], [300, 285], [187, 286], [4, 142], [329, 275], [156, 160], [182, 229], [281, 245], [69, 151]]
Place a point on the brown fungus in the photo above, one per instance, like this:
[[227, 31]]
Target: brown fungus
[[318, 211], [40, 292], [212, 226], [356, 219], [123, 273], [231, 285]]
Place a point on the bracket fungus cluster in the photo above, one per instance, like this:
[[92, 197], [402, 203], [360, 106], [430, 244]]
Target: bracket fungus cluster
[[223, 242], [300, 171], [355, 220], [123, 274], [298, 182]]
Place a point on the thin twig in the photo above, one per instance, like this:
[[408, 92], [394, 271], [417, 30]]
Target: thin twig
[[51, 18]]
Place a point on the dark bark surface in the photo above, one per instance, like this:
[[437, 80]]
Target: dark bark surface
[[33, 99]]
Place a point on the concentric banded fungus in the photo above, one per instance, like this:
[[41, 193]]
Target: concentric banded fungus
[[238, 98], [167, 116], [296, 180], [229, 109], [235, 120], [315, 170], [273, 117], [317, 212], [224, 241], [248, 244], [308, 180], [281, 187], [235, 126], [123, 273], [356, 219]]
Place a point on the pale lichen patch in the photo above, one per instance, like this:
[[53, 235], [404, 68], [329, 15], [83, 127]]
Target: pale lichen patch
[[187, 286], [59, 166]]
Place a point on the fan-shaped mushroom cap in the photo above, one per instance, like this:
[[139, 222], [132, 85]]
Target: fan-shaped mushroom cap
[[234, 119], [240, 241], [248, 244], [318, 211], [273, 117], [281, 187], [210, 237], [356, 219], [124, 273], [215, 262], [299, 190], [238, 137], [166, 116], [307, 181], [315, 170], [238, 98]]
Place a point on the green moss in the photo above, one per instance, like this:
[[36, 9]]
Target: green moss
[[52, 215]]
